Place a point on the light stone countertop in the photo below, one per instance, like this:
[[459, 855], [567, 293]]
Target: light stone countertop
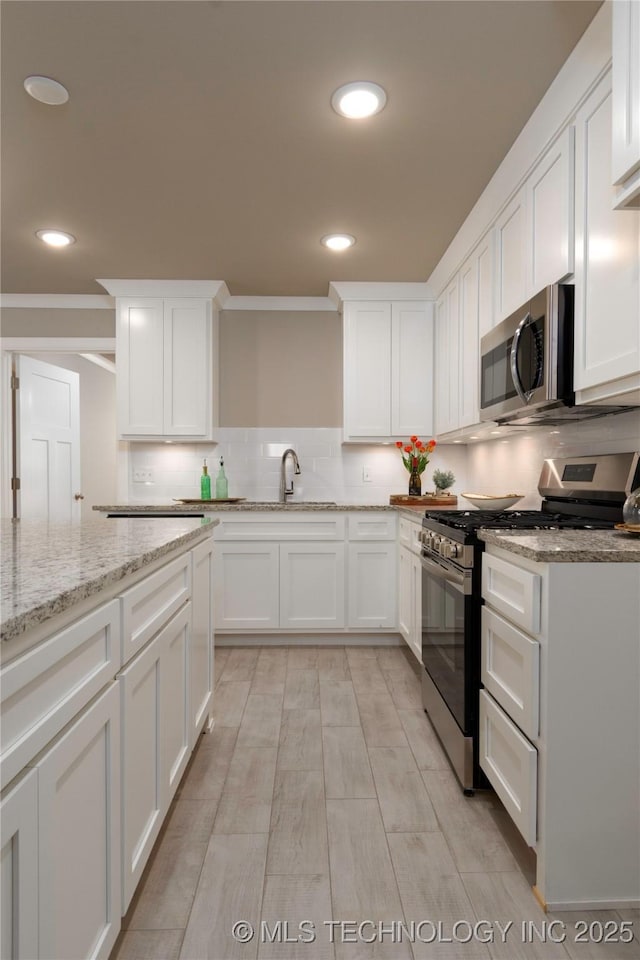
[[47, 568], [258, 506], [567, 546]]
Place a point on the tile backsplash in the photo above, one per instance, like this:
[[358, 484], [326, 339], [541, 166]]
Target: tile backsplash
[[329, 470], [333, 471]]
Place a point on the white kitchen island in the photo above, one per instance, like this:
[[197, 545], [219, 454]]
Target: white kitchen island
[[106, 680]]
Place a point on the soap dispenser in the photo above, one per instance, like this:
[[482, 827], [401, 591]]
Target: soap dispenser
[[222, 486], [205, 482]]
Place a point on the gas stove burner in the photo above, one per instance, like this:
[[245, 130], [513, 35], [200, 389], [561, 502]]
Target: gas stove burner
[[468, 521]]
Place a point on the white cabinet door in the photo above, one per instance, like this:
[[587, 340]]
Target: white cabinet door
[[550, 215], [19, 870], [411, 369], [201, 648], [140, 367], [367, 370], [484, 254], [187, 368], [405, 605], [511, 257], [79, 835], [142, 779], [607, 295], [447, 369], [372, 585], [247, 586], [312, 592], [416, 596], [176, 683], [469, 346], [164, 355], [626, 89]]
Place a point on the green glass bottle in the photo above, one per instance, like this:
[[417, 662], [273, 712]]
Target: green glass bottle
[[222, 485], [205, 482]]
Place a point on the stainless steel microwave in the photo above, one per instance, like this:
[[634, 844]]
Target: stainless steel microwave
[[526, 365]]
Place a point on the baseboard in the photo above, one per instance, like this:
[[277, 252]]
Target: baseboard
[[307, 639]]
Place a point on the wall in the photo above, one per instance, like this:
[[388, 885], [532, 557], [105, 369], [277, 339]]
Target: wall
[[98, 442], [280, 368], [329, 470], [48, 322], [512, 465]]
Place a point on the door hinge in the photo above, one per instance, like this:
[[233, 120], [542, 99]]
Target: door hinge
[[15, 483], [15, 382]]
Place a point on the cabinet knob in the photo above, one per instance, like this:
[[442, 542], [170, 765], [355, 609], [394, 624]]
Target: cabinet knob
[[78, 496]]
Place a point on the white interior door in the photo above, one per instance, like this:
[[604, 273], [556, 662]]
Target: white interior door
[[48, 441]]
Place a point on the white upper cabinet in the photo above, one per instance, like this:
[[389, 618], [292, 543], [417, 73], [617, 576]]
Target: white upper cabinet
[[165, 368], [388, 363], [511, 256], [550, 213], [463, 314], [626, 102], [607, 308]]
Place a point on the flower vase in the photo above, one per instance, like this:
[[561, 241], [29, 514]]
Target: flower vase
[[415, 484]]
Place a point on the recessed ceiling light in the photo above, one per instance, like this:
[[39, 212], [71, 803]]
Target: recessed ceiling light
[[46, 90], [359, 99], [338, 241], [55, 238]]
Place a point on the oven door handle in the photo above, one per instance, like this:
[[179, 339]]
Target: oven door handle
[[525, 395], [454, 577]]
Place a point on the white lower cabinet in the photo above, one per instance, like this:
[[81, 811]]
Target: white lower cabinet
[[410, 600], [247, 586], [79, 836], [511, 763], [19, 870], [155, 742], [306, 572], [372, 585], [312, 585], [201, 647]]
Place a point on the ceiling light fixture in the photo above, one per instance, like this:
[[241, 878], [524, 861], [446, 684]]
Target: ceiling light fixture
[[338, 241], [359, 99], [46, 90], [55, 238]]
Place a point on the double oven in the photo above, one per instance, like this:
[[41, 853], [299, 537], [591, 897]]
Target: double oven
[[579, 493]]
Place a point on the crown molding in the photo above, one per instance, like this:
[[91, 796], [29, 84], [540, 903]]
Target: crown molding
[[57, 301], [340, 290], [210, 289]]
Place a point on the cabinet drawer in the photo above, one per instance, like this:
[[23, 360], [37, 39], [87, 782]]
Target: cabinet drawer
[[409, 534], [511, 764], [512, 591], [371, 526], [510, 670], [43, 689], [148, 605], [278, 526]]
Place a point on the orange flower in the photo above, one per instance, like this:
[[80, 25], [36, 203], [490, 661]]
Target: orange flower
[[413, 439], [407, 449], [431, 445], [399, 444]]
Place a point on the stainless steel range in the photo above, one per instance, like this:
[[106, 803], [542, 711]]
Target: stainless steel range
[[579, 493]]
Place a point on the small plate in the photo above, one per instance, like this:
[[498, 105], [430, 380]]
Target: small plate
[[485, 501], [632, 528]]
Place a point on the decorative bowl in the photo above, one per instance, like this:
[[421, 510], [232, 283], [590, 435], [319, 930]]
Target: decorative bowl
[[486, 501]]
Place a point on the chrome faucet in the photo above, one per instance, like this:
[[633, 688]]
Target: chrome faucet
[[287, 491]]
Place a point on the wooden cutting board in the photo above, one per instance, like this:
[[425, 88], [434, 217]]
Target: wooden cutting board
[[426, 500]]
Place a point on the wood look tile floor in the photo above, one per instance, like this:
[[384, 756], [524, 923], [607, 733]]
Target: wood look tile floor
[[322, 798]]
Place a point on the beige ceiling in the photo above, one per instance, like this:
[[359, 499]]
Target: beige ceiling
[[199, 142]]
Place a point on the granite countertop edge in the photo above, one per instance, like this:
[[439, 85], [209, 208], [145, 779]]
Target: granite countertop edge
[[18, 624], [254, 506], [566, 546]]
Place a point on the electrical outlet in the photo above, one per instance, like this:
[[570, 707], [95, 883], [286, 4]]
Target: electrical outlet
[[142, 476], [366, 474]]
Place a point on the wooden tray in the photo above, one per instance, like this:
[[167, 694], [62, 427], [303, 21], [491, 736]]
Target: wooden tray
[[632, 528], [212, 500], [426, 500]]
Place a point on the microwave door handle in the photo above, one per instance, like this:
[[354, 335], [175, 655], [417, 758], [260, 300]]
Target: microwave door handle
[[524, 395]]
